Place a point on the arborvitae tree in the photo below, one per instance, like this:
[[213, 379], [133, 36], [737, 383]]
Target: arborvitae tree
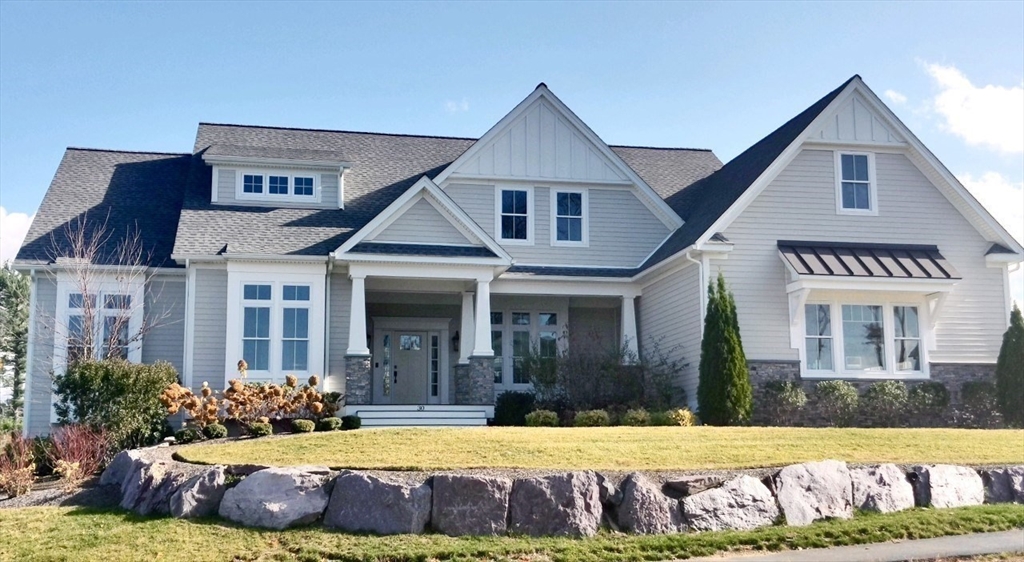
[[724, 396], [1010, 371]]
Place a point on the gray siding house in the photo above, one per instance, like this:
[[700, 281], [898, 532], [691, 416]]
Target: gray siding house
[[412, 271]]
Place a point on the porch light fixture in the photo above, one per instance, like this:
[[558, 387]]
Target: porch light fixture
[[455, 342]]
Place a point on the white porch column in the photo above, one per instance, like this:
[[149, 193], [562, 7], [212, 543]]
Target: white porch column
[[467, 330], [482, 340], [629, 325], [357, 318]]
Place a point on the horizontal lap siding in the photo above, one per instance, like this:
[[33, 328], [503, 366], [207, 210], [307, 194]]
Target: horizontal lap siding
[[226, 185], [165, 311], [670, 319], [341, 304], [211, 294], [800, 205], [39, 382], [422, 223], [594, 329]]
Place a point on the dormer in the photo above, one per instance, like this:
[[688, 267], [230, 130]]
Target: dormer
[[276, 177]]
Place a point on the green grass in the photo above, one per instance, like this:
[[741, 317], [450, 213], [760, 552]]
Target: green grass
[[81, 534], [616, 448]]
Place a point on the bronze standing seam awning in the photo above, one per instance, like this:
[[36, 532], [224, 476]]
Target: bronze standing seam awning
[[850, 259]]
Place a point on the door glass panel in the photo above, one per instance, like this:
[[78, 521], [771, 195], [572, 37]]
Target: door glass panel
[[387, 364], [435, 366], [410, 343]]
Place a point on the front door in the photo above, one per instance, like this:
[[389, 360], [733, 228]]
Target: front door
[[409, 367]]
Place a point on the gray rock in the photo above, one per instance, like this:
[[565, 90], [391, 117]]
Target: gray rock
[[278, 498], [609, 494], [646, 511], [742, 503], [470, 505], [199, 496], [149, 485], [690, 485], [118, 469], [998, 488], [1016, 475], [365, 503], [882, 488], [567, 504], [944, 485], [815, 490]]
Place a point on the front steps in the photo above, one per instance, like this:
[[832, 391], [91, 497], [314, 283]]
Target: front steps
[[425, 415]]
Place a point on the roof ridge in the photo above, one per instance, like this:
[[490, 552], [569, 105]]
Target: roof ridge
[[661, 147], [336, 131], [117, 151]]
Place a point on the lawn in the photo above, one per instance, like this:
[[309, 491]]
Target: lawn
[[86, 534], [615, 448]]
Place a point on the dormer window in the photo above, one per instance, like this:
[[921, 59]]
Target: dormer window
[[855, 184], [277, 186], [252, 183]]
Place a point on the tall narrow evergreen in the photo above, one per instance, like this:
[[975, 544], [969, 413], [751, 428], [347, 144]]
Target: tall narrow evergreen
[[1010, 371], [724, 395]]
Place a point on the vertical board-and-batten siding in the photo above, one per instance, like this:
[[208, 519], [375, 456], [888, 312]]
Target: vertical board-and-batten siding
[[165, 310], [210, 327], [226, 179], [37, 421], [340, 288], [422, 223], [854, 121], [800, 204], [670, 322], [623, 231]]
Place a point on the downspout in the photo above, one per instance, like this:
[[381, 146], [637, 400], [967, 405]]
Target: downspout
[[327, 318], [703, 289]]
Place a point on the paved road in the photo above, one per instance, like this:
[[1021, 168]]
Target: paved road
[[922, 549]]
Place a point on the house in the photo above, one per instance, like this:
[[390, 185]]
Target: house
[[412, 271]]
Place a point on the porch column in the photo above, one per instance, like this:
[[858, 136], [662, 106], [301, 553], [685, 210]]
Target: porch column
[[482, 340], [357, 318], [467, 329], [629, 341]]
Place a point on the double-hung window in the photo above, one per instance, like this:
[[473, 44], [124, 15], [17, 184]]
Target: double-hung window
[[514, 215], [907, 338], [115, 326], [868, 340], [80, 332], [295, 332], [856, 184], [256, 326], [863, 338], [520, 346], [818, 322], [569, 218]]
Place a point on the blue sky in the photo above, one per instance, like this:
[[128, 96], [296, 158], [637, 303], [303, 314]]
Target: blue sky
[[140, 76]]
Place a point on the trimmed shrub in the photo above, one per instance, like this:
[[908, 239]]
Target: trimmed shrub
[[979, 407], [329, 424], [215, 431], [542, 418], [885, 404], [724, 394], [77, 452], [261, 429], [1010, 372], [783, 401], [120, 397], [683, 417], [638, 417], [17, 466], [303, 426], [351, 422], [662, 419], [189, 435], [511, 408], [928, 399], [838, 401], [592, 418]]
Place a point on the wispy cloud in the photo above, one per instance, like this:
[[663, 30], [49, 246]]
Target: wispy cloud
[[452, 106], [990, 116], [13, 228], [895, 97], [1004, 199]]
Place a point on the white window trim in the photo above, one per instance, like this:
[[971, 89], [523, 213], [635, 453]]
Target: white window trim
[[240, 194], [888, 325], [240, 275], [530, 215], [585, 218], [534, 329], [872, 211]]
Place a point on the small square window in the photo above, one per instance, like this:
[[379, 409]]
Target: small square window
[[252, 183], [278, 185], [77, 300], [520, 318], [256, 292], [497, 319], [548, 319], [296, 293], [303, 186]]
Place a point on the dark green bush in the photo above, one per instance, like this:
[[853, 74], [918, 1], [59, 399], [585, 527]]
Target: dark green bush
[[592, 418], [838, 401], [724, 394], [885, 404], [1010, 372], [120, 397], [351, 422], [928, 399], [215, 431], [662, 419], [188, 435], [542, 418], [329, 424], [979, 406], [42, 453], [303, 426], [511, 408], [260, 429], [783, 401], [638, 417]]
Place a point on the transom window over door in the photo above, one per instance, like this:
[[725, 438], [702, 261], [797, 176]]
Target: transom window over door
[[569, 217], [514, 217], [856, 189]]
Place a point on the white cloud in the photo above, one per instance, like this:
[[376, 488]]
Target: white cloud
[[456, 106], [1004, 199], [895, 97], [989, 116], [13, 228]]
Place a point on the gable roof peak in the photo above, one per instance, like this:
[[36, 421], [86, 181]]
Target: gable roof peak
[[542, 85]]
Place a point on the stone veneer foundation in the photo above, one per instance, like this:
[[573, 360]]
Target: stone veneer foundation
[[358, 380], [474, 383]]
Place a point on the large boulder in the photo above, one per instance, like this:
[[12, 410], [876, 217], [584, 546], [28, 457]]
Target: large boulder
[[690, 485], [149, 485], [645, 510], [815, 490], [882, 488], [742, 503], [365, 503], [278, 498], [470, 505], [944, 485], [117, 471], [566, 504], [1016, 475], [199, 496], [998, 488]]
